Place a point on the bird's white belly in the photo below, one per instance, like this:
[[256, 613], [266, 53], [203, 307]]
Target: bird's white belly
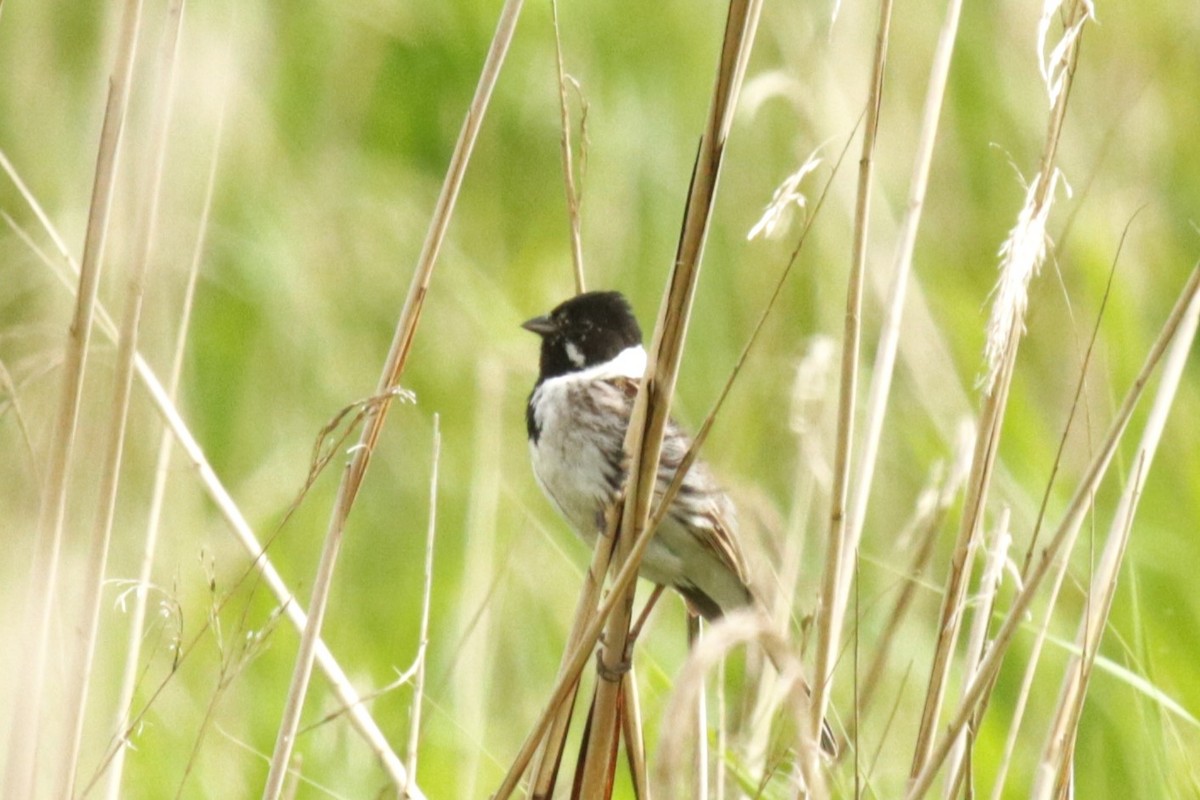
[[572, 464]]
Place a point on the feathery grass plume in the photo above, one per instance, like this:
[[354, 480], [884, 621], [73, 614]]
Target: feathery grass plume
[[1021, 258], [1024, 251], [1054, 64], [787, 198], [1021, 255], [406, 328]]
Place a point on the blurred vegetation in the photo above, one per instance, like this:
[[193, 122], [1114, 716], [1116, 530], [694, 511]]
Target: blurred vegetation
[[339, 120]]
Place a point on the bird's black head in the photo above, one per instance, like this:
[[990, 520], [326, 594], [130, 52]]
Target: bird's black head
[[587, 330]]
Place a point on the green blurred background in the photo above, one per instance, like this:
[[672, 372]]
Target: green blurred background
[[339, 122]]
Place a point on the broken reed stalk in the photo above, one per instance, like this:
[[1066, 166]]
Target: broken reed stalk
[[1104, 581], [651, 407], [406, 328], [110, 471], [1022, 254], [158, 494], [228, 509], [1059, 545], [568, 159], [841, 554], [21, 764]]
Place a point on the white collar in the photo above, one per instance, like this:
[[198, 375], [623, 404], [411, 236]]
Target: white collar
[[629, 363]]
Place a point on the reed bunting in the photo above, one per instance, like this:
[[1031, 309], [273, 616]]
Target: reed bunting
[[591, 363]]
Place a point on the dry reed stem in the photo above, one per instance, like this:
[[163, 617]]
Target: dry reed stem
[[21, 764], [360, 718], [953, 597], [1021, 256], [883, 368], [138, 272], [394, 366], [414, 728], [568, 159], [989, 584], [137, 620], [652, 405], [545, 770], [1104, 581], [1043, 631], [1061, 542], [834, 590]]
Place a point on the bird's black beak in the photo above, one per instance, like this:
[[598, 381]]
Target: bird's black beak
[[542, 326]]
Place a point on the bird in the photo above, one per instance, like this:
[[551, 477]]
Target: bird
[[591, 363]]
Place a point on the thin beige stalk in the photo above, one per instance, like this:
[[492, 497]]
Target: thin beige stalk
[[700, 790], [360, 718], [635, 740], [414, 728], [406, 328], [989, 583], [1022, 254], [1058, 546], [889, 335], [652, 406], [1104, 581], [21, 764], [832, 606], [137, 621], [740, 628], [1043, 631], [138, 271], [954, 594], [568, 158]]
